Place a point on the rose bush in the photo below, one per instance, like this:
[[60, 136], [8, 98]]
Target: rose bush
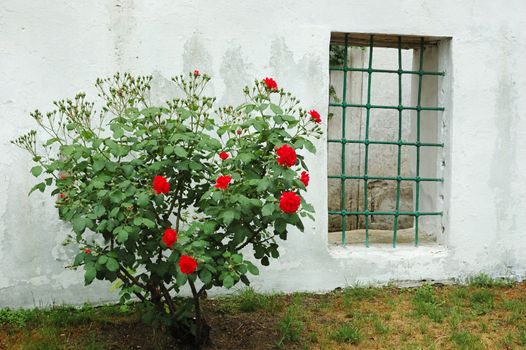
[[160, 197]]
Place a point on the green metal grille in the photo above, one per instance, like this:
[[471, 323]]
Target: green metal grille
[[366, 177]]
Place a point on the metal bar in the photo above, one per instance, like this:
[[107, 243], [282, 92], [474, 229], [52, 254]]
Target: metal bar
[[417, 108], [400, 143], [399, 155], [344, 99], [393, 71], [409, 213], [388, 178], [419, 99], [366, 160]]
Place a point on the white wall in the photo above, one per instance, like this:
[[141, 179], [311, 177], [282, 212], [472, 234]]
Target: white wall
[[51, 49]]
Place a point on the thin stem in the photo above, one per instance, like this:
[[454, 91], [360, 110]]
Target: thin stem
[[198, 321]]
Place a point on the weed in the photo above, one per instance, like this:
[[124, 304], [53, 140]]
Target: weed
[[249, 301], [507, 341], [380, 328], [360, 293], [426, 303], [482, 301], [459, 295], [522, 337], [14, 318], [347, 333], [466, 341], [486, 281], [291, 325]]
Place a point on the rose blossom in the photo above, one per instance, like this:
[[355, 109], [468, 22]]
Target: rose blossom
[[305, 178], [223, 181], [287, 155], [187, 264], [169, 237], [315, 116], [289, 202], [160, 185], [223, 155], [270, 84]]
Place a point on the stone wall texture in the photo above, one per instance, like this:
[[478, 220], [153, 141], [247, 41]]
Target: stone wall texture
[[52, 49]]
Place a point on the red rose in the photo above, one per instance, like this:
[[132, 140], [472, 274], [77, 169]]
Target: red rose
[[223, 155], [239, 131], [169, 237], [305, 178], [61, 195], [270, 84], [187, 264], [87, 251], [315, 116], [196, 72], [223, 181], [287, 155], [289, 202], [161, 185]]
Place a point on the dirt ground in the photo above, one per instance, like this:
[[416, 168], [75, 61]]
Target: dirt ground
[[483, 315]]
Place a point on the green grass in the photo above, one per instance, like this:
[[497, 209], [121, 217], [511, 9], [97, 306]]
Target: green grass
[[426, 303], [480, 315], [482, 301], [347, 333], [248, 300], [521, 337], [292, 325], [466, 341], [486, 281], [380, 327]]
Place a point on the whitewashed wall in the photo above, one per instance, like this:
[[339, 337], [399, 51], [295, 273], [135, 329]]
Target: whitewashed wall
[[53, 48]]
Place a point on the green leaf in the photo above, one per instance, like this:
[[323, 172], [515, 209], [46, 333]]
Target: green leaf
[[102, 260], [263, 184], [36, 170], [112, 265], [228, 282], [252, 268], [143, 199], [79, 224], [205, 276], [180, 152], [79, 259], [228, 216], [89, 274], [41, 187], [209, 227], [276, 109], [309, 146], [245, 157], [268, 209], [122, 236], [98, 165], [99, 210], [148, 223]]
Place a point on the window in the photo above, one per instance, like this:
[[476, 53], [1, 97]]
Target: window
[[385, 151]]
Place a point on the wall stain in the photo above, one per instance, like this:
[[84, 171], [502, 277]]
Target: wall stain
[[236, 73], [504, 158]]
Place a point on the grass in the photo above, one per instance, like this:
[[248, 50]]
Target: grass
[[347, 333], [466, 341], [483, 314]]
